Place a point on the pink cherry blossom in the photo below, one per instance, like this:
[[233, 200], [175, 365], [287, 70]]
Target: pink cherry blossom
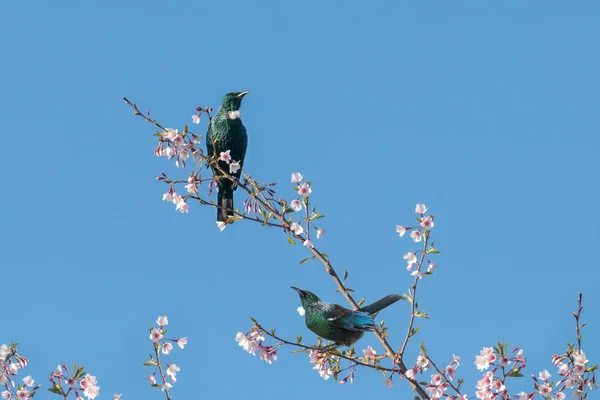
[[234, 167], [431, 267], [544, 375], [560, 396], [155, 335], [427, 222], [176, 198], [70, 382], [451, 371], [168, 196], [545, 390], [267, 354], [308, 243], [420, 209], [170, 152], [182, 206], [166, 386], [23, 394], [417, 274], [387, 382], [580, 358], [170, 133], [296, 228], [304, 190], [172, 372], [422, 362], [225, 156], [416, 236], [117, 396], [181, 342], [163, 320], [411, 259], [196, 118], [320, 232], [6, 394], [296, 205], [192, 188], [90, 389], [28, 381], [297, 177], [410, 373], [197, 156], [166, 348], [151, 379], [401, 230], [369, 353]]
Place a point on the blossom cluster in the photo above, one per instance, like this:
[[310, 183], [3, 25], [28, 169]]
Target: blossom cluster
[[417, 234], [164, 346], [77, 381], [252, 343], [10, 363], [490, 386], [180, 146], [322, 363], [304, 190], [575, 375]]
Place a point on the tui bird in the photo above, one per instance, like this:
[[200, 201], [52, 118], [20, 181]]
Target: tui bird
[[336, 323], [226, 132]]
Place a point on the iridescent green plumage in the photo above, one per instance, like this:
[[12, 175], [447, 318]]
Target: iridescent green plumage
[[339, 324], [227, 132]]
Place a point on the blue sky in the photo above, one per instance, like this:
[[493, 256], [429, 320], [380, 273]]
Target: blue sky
[[487, 113]]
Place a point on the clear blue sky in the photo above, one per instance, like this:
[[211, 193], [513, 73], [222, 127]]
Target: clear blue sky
[[487, 113]]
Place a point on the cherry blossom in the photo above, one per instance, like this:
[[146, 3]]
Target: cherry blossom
[[297, 177], [320, 232], [401, 230], [411, 259], [296, 205], [304, 190], [181, 342], [296, 228], [427, 222], [420, 209], [234, 167], [369, 353], [225, 156], [416, 236], [221, 225], [155, 335], [167, 348]]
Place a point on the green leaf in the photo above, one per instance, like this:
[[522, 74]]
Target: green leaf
[[421, 314], [305, 260], [290, 240], [345, 274]]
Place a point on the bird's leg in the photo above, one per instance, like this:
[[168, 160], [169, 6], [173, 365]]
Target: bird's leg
[[330, 347]]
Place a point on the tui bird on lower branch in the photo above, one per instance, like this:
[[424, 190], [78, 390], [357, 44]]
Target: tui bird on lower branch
[[339, 324]]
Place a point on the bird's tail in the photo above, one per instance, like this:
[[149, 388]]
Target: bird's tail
[[379, 305], [224, 200]]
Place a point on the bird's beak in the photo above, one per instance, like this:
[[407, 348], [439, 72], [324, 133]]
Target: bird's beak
[[297, 290], [242, 94]]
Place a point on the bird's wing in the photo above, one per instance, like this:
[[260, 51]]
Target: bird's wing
[[351, 320]]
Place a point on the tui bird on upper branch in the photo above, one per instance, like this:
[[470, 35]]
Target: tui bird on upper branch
[[226, 132], [339, 324]]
